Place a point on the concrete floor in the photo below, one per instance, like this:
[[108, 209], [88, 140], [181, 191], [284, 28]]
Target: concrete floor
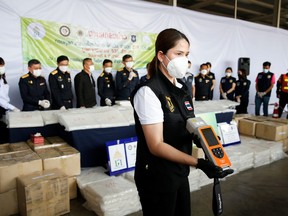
[[261, 191]]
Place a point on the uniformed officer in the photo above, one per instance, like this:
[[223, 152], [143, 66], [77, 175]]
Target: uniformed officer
[[211, 75], [146, 77], [33, 88], [126, 79], [61, 85], [203, 84], [242, 92], [264, 83], [85, 85], [188, 79], [282, 93], [227, 85], [106, 85]]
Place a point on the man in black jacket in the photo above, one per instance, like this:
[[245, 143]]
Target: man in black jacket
[[85, 85]]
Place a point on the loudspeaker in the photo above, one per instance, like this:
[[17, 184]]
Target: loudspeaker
[[244, 63]]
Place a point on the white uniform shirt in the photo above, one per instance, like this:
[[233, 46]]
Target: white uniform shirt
[[4, 97], [148, 106]]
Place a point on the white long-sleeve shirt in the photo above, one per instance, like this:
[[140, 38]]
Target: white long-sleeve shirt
[[4, 96]]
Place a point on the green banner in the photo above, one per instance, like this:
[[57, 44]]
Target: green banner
[[45, 41]]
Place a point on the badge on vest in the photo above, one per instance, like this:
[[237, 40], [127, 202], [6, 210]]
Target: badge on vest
[[188, 105], [230, 81], [211, 77], [269, 76], [170, 104], [244, 83]]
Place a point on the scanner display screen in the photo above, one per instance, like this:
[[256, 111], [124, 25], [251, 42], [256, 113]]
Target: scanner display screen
[[209, 136]]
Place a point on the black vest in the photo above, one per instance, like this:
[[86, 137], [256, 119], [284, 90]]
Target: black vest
[[154, 173], [264, 82]]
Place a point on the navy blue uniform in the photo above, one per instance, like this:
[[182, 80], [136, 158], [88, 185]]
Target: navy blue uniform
[[242, 89], [188, 82], [106, 88], [33, 89], [211, 75], [202, 87], [124, 86], [85, 90], [226, 83], [61, 89], [143, 78]]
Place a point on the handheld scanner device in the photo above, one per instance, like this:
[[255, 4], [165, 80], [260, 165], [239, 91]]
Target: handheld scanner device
[[209, 141]]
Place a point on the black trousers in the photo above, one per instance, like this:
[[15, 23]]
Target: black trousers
[[175, 203], [283, 100]]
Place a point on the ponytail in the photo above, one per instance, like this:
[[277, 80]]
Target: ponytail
[[153, 67]]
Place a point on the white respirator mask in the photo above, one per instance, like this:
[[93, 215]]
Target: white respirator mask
[[2, 70], [37, 72], [177, 67], [108, 69], [63, 68], [204, 72], [129, 64], [91, 68]]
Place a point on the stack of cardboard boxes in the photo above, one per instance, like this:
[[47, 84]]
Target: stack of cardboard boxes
[[40, 180], [261, 127]]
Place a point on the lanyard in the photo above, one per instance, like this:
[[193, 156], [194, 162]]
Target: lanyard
[[217, 204]]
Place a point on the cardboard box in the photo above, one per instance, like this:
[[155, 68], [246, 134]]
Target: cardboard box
[[4, 148], [237, 117], [247, 126], [72, 185], [285, 145], [65, 158], [43, 193], [9, 203], [56, 140], [19, 146], [46, 144], [17, 163], [270, 130]]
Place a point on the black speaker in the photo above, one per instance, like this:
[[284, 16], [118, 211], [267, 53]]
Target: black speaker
[[244, 63]]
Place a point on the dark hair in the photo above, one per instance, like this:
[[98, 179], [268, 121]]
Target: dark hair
[[2, 62], [229, 68], [166, 40], [204, 64], [3, 76], [266, 64], [189, 62], [62, 58], [33, 62], [126, 57], [244, 73], [106, 61], [208, 64], [85, 60]]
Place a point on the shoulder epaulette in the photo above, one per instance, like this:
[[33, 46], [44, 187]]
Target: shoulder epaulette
[[25, 76], [120, 70], [54, 72], [102, 74]]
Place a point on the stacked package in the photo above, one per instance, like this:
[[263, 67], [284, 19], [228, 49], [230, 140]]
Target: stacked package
[[129, 175], [112, 197], [24, 119], [193, 178]]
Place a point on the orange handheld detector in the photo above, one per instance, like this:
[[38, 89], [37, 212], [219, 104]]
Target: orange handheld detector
[[210, 143]]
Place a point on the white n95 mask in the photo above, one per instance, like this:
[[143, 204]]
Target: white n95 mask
[[129, 64], [91, 68], [228, 74], [177, 67], [63, 68], [108, 69], [37, 72], [204, 72]]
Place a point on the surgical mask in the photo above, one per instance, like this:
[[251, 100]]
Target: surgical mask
[[108, 69], [91, 68], [63, 68], [37, 72], [129, 64], [265, 70], [177, 67], [228, 74], [204, 72], [2, 70]]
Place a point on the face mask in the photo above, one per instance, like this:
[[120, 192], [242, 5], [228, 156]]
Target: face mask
[[228, 74], [265, 70], [2, 70], [108, 69], [37, 72], [63, 68], [177, 67], [129, 64], [91, 68], [204, 72]]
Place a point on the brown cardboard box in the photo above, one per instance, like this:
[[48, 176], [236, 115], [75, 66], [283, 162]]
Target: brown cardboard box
[[43, 193], [72, 185], [19, 146], [285, 145], [47, 144], [270, 130], [237, 117], [9, 203], [65, 158], [247, 126], [17, 163], [56, 140], [4, 148]]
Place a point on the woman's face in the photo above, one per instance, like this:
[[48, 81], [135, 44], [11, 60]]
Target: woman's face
[[180, 50]]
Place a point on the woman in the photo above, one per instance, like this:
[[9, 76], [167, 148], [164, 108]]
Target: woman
[[227, 85], [162, 105], [4, 91], [242, 92]]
